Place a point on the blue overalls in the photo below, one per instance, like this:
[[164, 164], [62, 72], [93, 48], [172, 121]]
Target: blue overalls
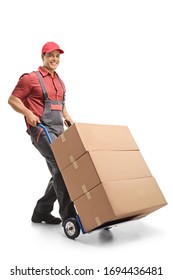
[[56, 189]]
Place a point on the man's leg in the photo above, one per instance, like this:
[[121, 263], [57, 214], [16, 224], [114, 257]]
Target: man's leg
[[66, 207], [44, 207]]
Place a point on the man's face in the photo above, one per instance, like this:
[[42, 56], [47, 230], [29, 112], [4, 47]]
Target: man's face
[[51, 60]]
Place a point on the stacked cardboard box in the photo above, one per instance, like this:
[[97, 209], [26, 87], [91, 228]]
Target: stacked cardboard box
[[105, 174]]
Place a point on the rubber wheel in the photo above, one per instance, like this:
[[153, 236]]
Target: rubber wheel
[[71, 228], [107, 228]]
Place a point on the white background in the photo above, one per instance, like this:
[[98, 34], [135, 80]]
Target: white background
[[118, 69]]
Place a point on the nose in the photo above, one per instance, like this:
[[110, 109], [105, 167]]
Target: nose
[[56, 58]]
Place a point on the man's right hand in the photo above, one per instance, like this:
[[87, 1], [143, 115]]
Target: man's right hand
[[32, 119]]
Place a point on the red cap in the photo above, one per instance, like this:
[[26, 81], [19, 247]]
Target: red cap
[[51, 46]]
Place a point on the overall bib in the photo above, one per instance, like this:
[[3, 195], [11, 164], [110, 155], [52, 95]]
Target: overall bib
[[52, 119]]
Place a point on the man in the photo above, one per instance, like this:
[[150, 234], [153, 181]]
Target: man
[[40, 97]]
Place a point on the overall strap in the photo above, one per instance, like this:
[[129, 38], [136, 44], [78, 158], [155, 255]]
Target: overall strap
[[62, 85], [42, 85]]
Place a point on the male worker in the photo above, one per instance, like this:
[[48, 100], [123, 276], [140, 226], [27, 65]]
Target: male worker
[[47, 108]]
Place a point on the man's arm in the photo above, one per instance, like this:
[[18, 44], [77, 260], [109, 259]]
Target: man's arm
[[67, 117], [19, 107]]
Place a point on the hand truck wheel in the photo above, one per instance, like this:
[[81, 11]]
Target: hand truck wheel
[[71, 228]]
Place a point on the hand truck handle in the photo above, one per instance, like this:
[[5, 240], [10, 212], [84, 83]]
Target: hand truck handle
[[46, 131]]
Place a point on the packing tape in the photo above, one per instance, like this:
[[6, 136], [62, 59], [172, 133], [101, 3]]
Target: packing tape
[[62, 137], [84, 188], [88, 195], [75, 165], [71, 158], [97, 221]]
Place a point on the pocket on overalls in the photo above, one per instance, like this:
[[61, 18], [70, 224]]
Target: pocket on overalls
[[56, 110]]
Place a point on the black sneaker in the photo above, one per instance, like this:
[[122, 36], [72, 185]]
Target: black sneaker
[[45, 218]]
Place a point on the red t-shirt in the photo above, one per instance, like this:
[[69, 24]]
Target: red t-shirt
[[28, 89]]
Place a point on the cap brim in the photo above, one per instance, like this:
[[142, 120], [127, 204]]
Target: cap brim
[[61, 51], [53, 49]]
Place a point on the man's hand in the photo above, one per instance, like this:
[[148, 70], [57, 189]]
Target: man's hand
[[32, 119], [67, 123]]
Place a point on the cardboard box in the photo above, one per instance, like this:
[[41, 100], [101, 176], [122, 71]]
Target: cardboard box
[[95, 167], [113, 202], [105, 174], [83, 137]]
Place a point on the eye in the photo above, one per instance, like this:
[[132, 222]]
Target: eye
[[49, 55]]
